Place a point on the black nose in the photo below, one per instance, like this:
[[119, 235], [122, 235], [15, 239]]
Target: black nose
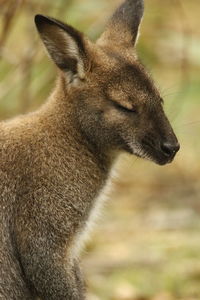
[[170, 149]]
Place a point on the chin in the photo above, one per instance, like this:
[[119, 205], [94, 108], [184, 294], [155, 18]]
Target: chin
[[161, 161]]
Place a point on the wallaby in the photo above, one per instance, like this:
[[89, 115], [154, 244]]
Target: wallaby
[[55, 162]]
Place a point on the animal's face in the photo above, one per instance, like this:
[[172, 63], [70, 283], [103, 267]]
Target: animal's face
[[115, 101], [120, 108]]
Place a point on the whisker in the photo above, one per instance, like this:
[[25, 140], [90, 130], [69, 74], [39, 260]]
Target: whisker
[[168, 95], [189, 124]]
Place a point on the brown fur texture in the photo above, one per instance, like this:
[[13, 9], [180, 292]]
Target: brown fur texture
[[55, 162]]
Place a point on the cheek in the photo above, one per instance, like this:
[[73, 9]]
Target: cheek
[[113, 117]]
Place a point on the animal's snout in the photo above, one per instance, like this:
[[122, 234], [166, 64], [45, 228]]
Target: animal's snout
[[169, 149]]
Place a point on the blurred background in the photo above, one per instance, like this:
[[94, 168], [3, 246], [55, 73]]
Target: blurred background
[[147, 242]]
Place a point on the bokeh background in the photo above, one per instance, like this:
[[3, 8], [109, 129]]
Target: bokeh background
[[147, 242]]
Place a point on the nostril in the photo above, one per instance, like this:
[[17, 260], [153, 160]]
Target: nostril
[[170, 149], [177, 147], [166, 149]]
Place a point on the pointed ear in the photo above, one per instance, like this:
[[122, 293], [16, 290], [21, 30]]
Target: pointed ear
[[123, 28], [65, 45]]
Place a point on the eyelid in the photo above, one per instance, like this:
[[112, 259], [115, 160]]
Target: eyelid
[[122, 107]]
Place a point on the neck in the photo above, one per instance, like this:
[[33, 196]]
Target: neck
[[60, 108], [80, 173]]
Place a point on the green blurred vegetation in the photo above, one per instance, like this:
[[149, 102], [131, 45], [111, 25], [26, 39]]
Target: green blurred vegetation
[[147, 244]]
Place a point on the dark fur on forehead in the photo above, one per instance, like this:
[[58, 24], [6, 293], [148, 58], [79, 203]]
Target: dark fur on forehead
[[136, 73], [133, 75]]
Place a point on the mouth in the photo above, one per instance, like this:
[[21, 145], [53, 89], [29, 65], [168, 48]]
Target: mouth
[[163, 161], [157, 155], [161, 155], [158, 159]]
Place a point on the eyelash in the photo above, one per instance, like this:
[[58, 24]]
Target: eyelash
[[125, 109]]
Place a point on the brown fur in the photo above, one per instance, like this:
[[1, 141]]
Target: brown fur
[[55, 162]]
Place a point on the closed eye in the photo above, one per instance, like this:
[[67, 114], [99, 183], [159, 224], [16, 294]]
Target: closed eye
[[124, 108]]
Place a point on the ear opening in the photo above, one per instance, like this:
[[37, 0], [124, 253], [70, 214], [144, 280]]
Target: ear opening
[[65, 45], [123, 28]]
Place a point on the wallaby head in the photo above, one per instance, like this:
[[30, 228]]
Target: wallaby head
[[114, 101]]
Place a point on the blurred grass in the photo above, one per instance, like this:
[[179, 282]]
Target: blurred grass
[[147, 243]]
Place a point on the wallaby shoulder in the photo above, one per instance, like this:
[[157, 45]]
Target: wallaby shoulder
[[46, 160]]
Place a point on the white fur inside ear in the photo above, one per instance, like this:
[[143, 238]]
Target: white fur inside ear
[[62, 48], [138, 34], [73, 51]]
